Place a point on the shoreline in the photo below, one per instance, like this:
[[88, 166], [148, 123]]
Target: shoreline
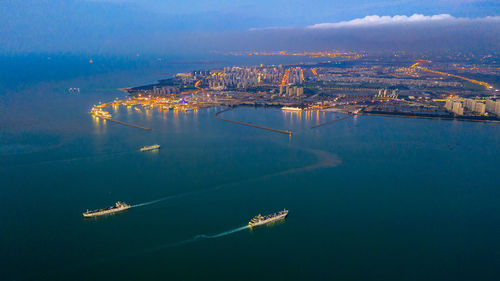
[[422, 116]]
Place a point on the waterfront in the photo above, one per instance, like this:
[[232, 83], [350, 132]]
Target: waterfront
[[370, 197]]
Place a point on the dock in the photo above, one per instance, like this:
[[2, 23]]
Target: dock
[[216, 115], [333, 121], [97, 112]]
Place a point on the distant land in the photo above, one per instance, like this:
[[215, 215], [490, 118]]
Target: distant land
[[460, 86]]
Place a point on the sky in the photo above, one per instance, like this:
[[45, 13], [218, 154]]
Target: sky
[[190, 26]]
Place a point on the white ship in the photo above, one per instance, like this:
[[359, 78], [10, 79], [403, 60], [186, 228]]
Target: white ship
[[261, 220], [118, 207], [150, 147], [287, 108]]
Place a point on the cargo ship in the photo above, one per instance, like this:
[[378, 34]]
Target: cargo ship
[[261, 220], [118, 207], [286, 108], [150, 147]]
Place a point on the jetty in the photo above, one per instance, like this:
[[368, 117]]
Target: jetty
[[333, 121], [128, 124], [216, 115]]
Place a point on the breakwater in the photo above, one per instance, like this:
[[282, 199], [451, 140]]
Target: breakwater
[[216, 115], [330, 122]]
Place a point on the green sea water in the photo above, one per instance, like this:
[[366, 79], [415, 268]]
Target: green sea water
[[370, 198]]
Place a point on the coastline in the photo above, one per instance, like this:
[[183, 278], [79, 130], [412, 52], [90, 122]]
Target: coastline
[[425, 116]]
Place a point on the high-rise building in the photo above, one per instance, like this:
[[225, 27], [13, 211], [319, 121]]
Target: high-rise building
[[490, 106], [300, 92], [470, 104], [493, 107], [449, 105], [458, 108], [479, 108]]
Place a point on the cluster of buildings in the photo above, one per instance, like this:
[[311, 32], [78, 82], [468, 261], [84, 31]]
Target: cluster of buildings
[[477, 107], [454, 106], [233, 77], [163, 91], [293, 75], [493, 106], [382, 94], [339, 78], [245, 77], [292, 91], [185, 78], [371, 83]]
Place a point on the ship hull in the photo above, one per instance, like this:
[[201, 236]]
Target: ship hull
[[149, 149]]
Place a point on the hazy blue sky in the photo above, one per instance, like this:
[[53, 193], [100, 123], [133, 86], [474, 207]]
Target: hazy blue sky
[[161, 26]]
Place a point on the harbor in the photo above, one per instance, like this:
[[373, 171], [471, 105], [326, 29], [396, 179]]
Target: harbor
[[98, 112]]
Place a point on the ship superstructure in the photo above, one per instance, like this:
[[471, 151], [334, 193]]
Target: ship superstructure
[[261, 220], [118, 207]]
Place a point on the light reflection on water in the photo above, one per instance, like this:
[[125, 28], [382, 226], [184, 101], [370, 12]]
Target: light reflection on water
[[324, 198], [300, 120], [405, 186]]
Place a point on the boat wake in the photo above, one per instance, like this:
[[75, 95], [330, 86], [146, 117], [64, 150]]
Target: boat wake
[[325, 159], [201, 237], [188, 241], [163, 199], [132, 254], [97, 157], [152, 202]]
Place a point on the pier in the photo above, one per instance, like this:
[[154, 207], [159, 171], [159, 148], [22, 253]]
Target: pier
[[97, 112], [216, 115], [127, 124], [333, 121]]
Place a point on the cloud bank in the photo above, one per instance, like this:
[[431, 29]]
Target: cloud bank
[[110, 28], [381, 20], [418, 32]]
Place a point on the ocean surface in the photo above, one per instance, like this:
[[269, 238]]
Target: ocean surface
[[370, 198]]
